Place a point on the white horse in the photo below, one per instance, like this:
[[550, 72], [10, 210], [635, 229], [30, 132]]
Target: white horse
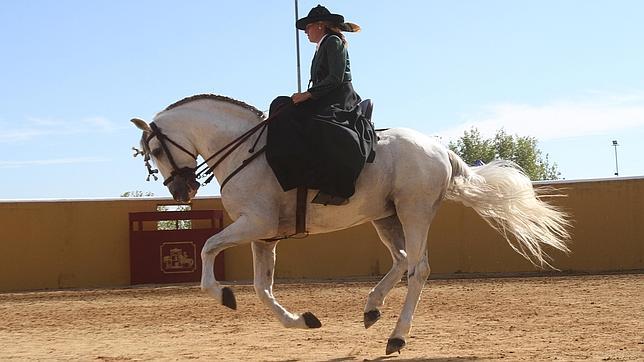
[[399, 194]]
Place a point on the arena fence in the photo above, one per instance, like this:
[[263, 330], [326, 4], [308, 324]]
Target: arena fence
[[85, 243]]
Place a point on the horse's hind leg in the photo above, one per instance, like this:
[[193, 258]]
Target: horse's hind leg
[[264, 268], [391, 233], [415, 218]]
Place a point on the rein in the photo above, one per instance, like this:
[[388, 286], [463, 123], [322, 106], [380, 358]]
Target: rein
[[223, 153]]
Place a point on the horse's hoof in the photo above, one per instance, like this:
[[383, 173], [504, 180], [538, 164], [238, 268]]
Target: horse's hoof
[[311, 320], [228, 298], [394, 345], [371, 317]]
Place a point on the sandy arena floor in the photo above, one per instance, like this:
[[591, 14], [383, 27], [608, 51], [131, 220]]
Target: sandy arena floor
[[564, 318]]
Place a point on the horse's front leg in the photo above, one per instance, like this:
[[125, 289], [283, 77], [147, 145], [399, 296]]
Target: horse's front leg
[[242, 231], [264, 268]]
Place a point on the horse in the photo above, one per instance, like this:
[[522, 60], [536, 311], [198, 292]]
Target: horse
[[399, 193]]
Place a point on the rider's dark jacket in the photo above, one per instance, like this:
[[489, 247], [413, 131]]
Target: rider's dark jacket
[[330, 67], [324, 142]]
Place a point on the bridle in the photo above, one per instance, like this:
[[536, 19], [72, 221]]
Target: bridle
[[202, 169], [164, 140]]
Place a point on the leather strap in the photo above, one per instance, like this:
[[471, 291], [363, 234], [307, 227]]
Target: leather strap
[[300, 210], [244, 164]]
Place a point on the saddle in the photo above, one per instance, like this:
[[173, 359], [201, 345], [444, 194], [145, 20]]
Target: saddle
[[366, 109]]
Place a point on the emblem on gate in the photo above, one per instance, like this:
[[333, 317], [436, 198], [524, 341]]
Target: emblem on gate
[[178, 257]]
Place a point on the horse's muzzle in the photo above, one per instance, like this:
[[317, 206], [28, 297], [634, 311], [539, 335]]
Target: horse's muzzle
[[182, 189]]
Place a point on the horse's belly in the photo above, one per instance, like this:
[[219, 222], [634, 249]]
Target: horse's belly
[[334, 218], [323, 219]]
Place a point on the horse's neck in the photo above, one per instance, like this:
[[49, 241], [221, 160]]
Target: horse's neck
[[217, 124]]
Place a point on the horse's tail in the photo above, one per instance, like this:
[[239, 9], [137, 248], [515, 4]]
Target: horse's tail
[[503, 195]]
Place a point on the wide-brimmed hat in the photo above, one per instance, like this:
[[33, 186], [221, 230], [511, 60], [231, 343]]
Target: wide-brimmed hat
[[319, 13]]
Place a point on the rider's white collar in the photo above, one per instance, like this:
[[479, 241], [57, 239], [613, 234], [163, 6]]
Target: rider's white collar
[[320, 42]]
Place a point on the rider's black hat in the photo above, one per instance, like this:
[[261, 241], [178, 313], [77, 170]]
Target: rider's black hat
[[319, 13]]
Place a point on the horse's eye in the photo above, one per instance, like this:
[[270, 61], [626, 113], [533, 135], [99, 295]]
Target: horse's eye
[[156, 152]]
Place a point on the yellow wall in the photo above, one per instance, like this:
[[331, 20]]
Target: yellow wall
[[60, 244], [75, 243]]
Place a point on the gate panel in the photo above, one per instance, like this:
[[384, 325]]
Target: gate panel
[[171, 256]]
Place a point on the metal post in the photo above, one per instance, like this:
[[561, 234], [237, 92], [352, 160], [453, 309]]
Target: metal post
[[297, 47], [616, 167]]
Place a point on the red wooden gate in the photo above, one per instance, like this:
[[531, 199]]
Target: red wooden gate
[[172, 256]]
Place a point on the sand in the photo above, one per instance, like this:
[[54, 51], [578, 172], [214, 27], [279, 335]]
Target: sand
[[540, 318]]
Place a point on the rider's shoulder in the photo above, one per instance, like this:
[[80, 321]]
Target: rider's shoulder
[[332, 40]]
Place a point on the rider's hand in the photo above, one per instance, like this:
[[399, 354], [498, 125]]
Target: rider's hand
[[300, 97]]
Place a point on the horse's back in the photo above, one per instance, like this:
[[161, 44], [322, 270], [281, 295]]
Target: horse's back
[[417, 160], [408, 165]]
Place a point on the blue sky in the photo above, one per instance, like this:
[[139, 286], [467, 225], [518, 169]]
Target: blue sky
[[73, 73]]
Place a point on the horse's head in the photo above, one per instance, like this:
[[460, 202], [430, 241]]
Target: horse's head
[[173, 154]]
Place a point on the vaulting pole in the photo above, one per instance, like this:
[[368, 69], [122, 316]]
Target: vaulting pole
[[302, 191], [297, 47]]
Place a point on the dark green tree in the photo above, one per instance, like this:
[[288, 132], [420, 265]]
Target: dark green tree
[[522, 150]]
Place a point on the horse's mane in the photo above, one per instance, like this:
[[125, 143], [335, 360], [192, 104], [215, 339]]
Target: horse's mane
[[216, 97]]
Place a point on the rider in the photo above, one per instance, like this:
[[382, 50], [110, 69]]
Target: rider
[[319, 138]]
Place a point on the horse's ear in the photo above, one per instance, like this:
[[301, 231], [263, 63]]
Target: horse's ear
[[141, 124]]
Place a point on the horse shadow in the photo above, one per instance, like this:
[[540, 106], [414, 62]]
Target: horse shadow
[[398, 359]]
